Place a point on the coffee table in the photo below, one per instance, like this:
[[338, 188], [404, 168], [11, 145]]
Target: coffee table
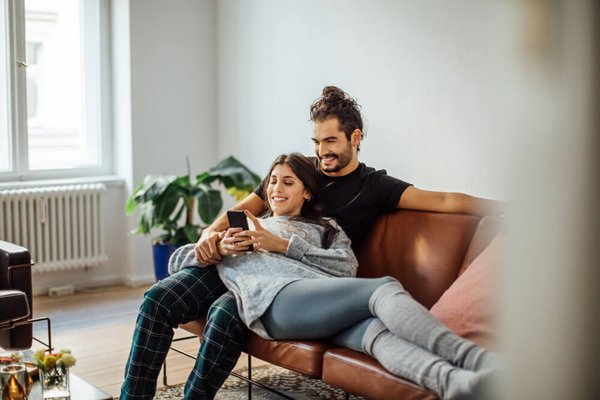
[[80, 390]]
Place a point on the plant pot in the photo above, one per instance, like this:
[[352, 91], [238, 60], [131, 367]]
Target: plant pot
[[162, 252]]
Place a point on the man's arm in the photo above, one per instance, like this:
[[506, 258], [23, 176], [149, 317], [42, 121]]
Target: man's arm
[[206, 247], [424, 200]]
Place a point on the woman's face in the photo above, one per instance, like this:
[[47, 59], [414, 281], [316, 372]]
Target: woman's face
[[286, 193]]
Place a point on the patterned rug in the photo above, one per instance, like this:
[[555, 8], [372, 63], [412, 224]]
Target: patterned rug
[[292, 384]]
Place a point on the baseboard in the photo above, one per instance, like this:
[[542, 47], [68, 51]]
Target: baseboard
[[139, 280], [109, 280]]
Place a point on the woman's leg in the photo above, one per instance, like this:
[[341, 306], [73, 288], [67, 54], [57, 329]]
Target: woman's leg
[[352, 337], [408, 319], [319, 308], [410, 361], [182, 297]]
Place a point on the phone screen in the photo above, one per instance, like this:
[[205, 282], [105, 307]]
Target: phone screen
[[237, 219]]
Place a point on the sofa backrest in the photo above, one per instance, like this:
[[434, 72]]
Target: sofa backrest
[[487, 229], [423, 250]]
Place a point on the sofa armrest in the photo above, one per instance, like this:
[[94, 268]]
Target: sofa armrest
[[13, 307], [15, 274]]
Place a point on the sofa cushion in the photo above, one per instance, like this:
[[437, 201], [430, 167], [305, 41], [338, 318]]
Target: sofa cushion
[[303, 356], [467, 306], [360, 374], [14, 306], [487, 230]]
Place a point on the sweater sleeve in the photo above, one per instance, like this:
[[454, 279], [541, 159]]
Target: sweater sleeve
[[337, 260], [184, 256]]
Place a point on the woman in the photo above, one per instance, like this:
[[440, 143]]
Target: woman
[[299, 284]]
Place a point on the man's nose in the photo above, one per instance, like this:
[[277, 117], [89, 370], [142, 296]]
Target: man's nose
[[322, 149]]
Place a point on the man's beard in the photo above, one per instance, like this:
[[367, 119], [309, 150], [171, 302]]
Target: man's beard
[[342, 160]]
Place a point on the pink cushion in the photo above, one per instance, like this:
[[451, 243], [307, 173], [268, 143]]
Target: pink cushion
[[467, 306]]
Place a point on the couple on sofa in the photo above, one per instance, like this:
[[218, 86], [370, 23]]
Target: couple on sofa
[[283, 289]]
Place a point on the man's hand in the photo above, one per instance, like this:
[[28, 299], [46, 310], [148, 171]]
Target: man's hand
[[207, 252], [262, 239]]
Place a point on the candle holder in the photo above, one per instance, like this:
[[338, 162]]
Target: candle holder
[[15, 382]]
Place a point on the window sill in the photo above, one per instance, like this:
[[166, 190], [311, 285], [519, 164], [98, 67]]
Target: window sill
[[108, 180]]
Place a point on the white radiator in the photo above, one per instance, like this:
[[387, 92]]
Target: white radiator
[[60, 225]]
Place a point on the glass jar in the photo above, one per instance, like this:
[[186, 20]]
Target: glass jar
[[55, 383]]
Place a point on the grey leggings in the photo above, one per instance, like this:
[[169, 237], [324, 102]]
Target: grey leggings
[[336, 308], [378, 317]]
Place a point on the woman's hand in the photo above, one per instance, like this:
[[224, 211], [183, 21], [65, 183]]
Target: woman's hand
[[232, 242], [262, 239]]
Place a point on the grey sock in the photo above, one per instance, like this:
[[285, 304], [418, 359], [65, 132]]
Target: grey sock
[[414, 363], [408, 319]]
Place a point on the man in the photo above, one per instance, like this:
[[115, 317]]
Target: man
[[351, 192]]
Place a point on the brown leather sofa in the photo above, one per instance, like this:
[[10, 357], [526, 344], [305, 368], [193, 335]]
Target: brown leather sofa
[[15, 297], [426, 252]]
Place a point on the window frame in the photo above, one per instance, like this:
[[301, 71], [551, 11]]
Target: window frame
[[17, 94]]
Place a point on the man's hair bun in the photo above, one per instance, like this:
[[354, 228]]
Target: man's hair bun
[[335, 103], [333, 91]]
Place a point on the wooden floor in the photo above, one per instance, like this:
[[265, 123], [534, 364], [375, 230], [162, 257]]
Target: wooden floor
[[97, 325]]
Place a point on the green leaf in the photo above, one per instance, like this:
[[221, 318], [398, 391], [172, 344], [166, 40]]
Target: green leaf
[[131, 204], [191, 233], [209, 205], [41, 365], [146, 217], [153, 186], [231, 173], [166, 203]]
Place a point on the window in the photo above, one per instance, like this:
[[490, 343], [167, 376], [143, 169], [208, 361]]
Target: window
[[52, 64], [4, 106]]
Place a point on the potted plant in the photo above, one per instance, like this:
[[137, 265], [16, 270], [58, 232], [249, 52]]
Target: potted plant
[[169, 203]]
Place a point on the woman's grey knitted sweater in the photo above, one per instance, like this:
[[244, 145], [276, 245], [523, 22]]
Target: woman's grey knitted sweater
[[256, 278]]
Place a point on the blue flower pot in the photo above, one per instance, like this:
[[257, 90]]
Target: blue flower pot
[[162, 252]]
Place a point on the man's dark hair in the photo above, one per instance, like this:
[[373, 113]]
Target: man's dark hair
[[335, 103]]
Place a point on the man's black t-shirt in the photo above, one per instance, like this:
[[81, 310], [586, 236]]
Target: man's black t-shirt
[[357, 199]]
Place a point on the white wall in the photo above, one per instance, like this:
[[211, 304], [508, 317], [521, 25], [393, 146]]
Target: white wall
[[172, 97], [427, 74], [164, 74]]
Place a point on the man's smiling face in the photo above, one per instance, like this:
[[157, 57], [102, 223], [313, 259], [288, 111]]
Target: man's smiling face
[[335, 152]]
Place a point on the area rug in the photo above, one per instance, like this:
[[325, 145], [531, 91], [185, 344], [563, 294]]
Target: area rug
[[288, 382]]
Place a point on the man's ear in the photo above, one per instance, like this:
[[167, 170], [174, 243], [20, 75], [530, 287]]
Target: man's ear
[[356, 137]]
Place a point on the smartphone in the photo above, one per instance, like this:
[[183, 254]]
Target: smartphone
[[237, 219]]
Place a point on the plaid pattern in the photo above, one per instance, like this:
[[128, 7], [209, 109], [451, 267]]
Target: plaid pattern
[[219, 351], [180, 298]]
